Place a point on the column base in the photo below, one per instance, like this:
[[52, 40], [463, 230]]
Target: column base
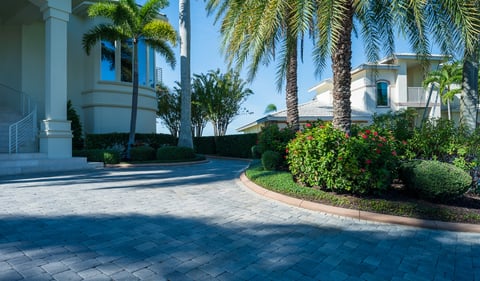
[[56, 139]]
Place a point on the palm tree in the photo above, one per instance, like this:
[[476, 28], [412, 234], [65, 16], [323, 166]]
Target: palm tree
[[129, 22], [185, 139], [270, 108], [449, 74], [255, 27]]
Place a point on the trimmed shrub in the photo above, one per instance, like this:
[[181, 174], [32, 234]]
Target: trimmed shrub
[[274, 139], [204, 145], [142, 153], [435, 181], [256, 154], [107, 156], [175, 153], [77, 140], [120, 140], [236, 145], [329, 159], [271, 160]]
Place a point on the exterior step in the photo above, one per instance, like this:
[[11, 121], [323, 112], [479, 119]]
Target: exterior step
[[25, 163]]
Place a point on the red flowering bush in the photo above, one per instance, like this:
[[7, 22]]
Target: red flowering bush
[[327, 158]]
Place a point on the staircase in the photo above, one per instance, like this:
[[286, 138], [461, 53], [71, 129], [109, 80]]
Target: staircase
[[8, 116]]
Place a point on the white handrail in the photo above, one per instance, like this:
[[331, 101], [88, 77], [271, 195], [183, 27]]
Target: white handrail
[[22, 132], [25, 130]]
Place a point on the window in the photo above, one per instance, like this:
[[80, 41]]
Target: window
[[117, 62], [382, 93], [107, 64], [142, 63], [151, 67], [127, 59]]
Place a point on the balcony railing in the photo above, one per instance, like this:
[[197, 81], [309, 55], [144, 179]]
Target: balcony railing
[[419, 96]]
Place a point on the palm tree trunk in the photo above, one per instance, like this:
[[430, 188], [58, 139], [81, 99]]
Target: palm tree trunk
[[133, 116], [185, 139], [469, 97], [341, 60], [292, 88]]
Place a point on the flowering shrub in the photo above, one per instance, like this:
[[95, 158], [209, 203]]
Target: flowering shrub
[[325, 157]]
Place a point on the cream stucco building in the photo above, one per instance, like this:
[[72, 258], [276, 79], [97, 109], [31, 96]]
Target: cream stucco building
[[391, 84], [44, 65]]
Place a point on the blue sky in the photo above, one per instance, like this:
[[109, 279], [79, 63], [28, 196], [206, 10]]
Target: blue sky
[[206, 55]]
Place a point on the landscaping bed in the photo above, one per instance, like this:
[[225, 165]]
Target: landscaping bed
[[397, 201]]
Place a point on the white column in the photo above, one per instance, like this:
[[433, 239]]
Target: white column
[[56, 134]]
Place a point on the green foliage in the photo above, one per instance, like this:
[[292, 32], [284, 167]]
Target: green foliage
[[271, 160], [236, 145], [120, 140], [174, 153], [204, 145], [400, 123], [275, 139], [256, 154], [441, 140], [77, 140], [107, 156], [142, 153], [328, 158], [220, 96], [434, 180]]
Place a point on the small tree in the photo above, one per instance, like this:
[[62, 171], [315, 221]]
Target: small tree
[[168, 109], [450, 74], [77, 140], [222, 96]]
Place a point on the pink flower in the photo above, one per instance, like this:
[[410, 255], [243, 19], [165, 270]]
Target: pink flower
[[286, 150], [308, 125], [309, 138], [375, 133], [347, 135], [394, 153], [404, 142], [380, 144], [367, 132], [368, 161], [364, 136], [362, 170], [322, 127], [378, 151]]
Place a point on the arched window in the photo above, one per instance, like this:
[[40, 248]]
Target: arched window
[[382, 93]]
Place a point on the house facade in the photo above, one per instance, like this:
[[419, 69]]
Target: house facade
[[44, 65], [391, 84]]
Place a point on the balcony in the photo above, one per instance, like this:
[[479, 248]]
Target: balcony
[[418, 96]]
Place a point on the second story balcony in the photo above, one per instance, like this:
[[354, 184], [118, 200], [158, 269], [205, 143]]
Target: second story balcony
[[418, 97]]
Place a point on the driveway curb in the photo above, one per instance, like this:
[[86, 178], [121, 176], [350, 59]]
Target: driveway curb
[[361, 215]]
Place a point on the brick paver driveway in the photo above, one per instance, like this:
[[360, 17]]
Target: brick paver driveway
[[199, 223]]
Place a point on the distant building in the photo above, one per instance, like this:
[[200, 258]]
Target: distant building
[[44, 65], [391, 84]]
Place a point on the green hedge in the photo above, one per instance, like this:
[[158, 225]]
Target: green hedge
[[107, 156], [204, 145], [236, 145], [142, 153], [175, 153], [120, 140], [434, 180]]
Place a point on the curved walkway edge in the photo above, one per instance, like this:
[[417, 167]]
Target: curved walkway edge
[[357, 214]]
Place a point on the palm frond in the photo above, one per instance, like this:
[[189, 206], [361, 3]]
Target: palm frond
[[160, 30], [99, 32], [164, 50]]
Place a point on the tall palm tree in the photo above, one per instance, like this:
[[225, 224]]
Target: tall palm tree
[[254, 27], [449, 74], [185, 139], [129, 22], [252, 30]]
